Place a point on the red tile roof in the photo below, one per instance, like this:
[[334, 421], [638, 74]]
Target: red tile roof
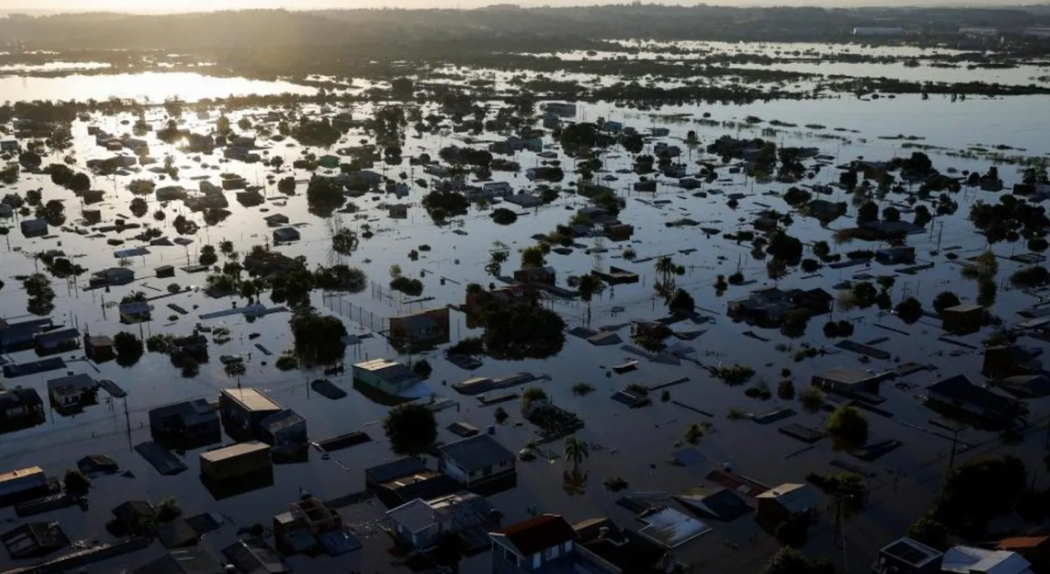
[[538, 534]]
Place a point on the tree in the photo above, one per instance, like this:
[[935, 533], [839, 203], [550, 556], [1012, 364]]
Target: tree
[[848, 427], [681, 301], [868, 212], [41, 296], [76, 483], [208, 256], [168, 510], [29, 159], [891, 214], [930, 532], [504, 216], [411, 428], [693, 433], [317, 338], [531, 395], [945, 300], [532, 257], [975, 492], [344, 241], [790, 561], [496, 260], [128, 347], [909, 310], [422, 368], [575, 451], [523, 333], [590, 285], [821, 250], [80, 183]]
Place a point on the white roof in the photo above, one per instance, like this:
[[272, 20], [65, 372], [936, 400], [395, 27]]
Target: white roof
[[968, 560]]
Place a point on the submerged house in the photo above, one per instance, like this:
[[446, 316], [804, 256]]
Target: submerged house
[[477, 461], [20, 408], [194, 422], [420, 330], [72, 392], [389, 377], [787, 502], [422, 523], [541, 544], [962, 397], [244, 409], [769, 306]]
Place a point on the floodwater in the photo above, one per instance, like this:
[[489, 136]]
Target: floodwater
[[148, 86], [636, 445], [52, 67]]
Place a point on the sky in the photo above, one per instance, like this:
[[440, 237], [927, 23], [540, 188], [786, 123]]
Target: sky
[[155, 6]]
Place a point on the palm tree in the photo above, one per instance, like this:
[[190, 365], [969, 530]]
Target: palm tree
[[590, 285], [667, 269], [575, 450]]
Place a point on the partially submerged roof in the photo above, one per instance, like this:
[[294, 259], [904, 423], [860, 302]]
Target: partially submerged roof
[[967, 560], [185, 561], [253, 556], [233, 451], [845, 376], [415, 516], [401, 467], [911, 552], [671, 528], [476, 453], [251, 399], [537, 534], [720, 503], [794, 497]]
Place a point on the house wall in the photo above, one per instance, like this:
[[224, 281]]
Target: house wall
[[456, 472]]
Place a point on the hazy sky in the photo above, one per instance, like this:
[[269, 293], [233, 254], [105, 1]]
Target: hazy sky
[[203, 5]]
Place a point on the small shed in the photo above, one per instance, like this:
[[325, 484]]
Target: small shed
[[98, 348], [962, 319], [165, 271], [33, 228]]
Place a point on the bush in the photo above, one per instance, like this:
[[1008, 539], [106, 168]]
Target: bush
[[76, 483], [1030, 277], [168, 510], [615, 484], [909, 310], [734, 375], [786, 390], [422, 368], [582, 389], [945, 300], [287, 362], [848, 427], [812, 398], [410, 287], [531, 395], [504, 216]]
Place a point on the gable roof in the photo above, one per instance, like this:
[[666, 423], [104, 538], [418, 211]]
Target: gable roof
[[961, 389], [537, 534], [795, 498], [476, 453], [186, 561], [968, 560]]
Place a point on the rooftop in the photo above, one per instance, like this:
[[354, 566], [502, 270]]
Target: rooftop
[[476, 453], [794, 497], [184, 561], [393, 470], [391, 371], [234, 451], [846, 376], [16, 474], [251, 399], [969, 560], [537, 534], [671, 528], [912, 552]]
